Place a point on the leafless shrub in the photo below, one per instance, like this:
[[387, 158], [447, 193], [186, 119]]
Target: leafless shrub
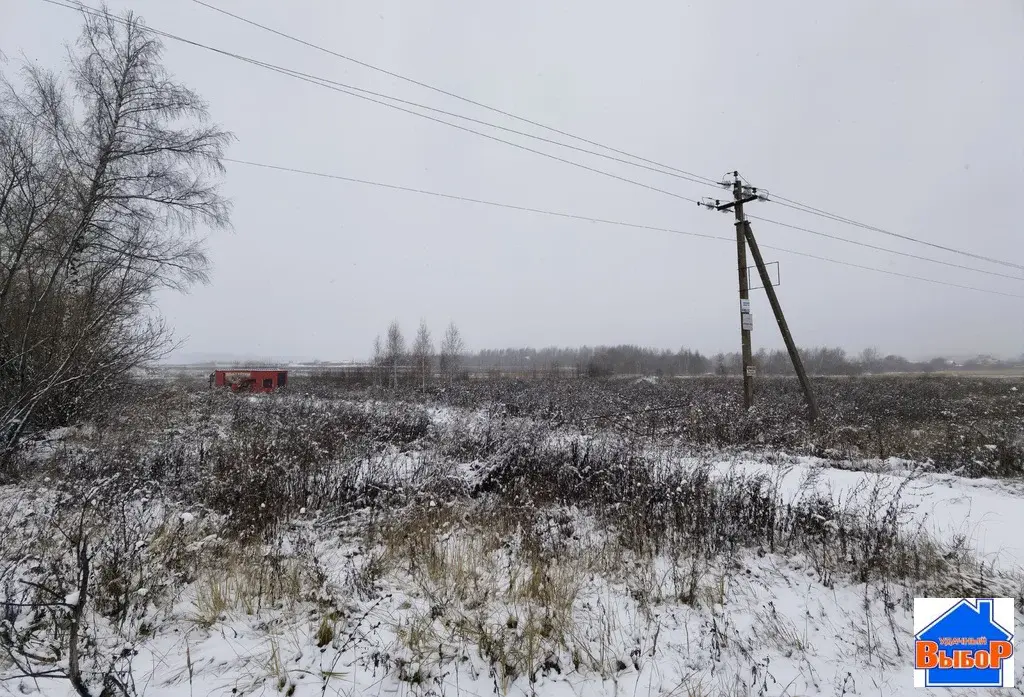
[[49, 599]]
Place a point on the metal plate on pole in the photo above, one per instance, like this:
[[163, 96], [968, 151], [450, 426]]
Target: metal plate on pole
[[752, 272]]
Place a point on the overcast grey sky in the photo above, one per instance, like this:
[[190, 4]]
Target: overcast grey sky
[[907, 115]]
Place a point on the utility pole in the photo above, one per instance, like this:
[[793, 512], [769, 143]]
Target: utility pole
[[746, 319], [745, 236], [794, 353], [740, 195]]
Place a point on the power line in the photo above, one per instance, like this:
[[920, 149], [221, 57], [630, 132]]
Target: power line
[[663, 167], [804, 208], [604, 221], [892, 273], [884, 249], [331, 85], [398, 76], [361, 93], [468, 199], [329, 82], [324, 82]]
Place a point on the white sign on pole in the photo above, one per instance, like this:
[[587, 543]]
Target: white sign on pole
[[744, 305], [746, 321], [751, 371]]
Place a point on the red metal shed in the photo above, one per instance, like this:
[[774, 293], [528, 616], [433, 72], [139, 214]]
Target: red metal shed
[[244, 380]]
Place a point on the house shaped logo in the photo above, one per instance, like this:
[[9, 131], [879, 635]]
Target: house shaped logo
[[963, 642]]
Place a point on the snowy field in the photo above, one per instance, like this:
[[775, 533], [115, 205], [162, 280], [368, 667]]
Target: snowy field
[[313, 546]]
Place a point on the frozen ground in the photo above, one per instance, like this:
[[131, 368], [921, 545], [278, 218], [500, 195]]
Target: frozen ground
[[989, 513], [778, 632], [758, 623]]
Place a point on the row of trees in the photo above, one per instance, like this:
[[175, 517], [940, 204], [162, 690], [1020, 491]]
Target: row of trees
[[603, 361], [392, 359], [106, 175]]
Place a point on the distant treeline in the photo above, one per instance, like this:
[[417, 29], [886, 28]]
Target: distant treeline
[[603, 361], [394, 362]]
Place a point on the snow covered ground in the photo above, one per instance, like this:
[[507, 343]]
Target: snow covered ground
[[450, 611], [777, 632], [989, 513]]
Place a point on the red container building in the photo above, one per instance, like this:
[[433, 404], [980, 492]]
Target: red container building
[[250, 380]]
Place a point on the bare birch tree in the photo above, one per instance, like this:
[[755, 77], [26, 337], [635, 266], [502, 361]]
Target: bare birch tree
[[423, 353], [394, 351], [378, 360], [452, 350], [106, 176]]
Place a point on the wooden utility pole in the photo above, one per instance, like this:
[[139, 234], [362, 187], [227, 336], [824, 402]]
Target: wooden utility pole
[[746, 319], [742, 194], [794, 353]]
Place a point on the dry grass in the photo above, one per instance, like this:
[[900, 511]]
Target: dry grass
[[244, 580], [485, 580], [509, 588], [779, 631], [515, 587]]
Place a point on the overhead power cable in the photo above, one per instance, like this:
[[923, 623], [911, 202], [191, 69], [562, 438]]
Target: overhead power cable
[[317, 79], [605, 221], [692, 176], [804, 208], [324, 82], [663, 168], [371, 96], [468, 199], [884, 249], [890, 273], [731, 240]]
